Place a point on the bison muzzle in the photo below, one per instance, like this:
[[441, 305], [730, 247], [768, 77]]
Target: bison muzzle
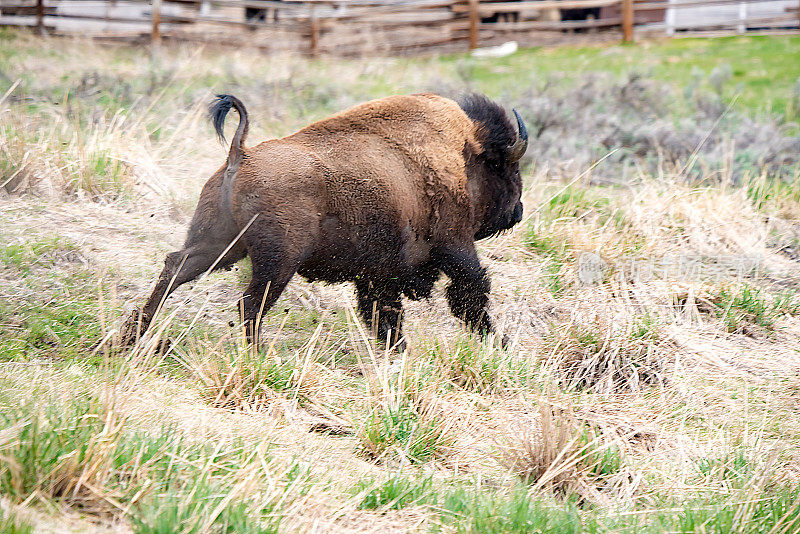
[[388, 194]]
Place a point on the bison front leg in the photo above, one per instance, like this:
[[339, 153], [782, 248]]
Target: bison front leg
[[382, 310], [468, 292]]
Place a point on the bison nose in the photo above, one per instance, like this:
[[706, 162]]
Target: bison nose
[[517, 216]]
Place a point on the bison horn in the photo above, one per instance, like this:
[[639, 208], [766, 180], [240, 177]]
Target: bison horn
[[517, 150]]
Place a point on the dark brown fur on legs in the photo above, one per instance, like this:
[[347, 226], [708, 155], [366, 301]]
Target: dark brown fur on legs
[[382, 310], [468, 292], [179, 267], [275, 259]]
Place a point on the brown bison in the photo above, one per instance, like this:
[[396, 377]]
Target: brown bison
[[388, 194]]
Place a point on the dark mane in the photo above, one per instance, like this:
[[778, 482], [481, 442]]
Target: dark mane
[[496, 133]]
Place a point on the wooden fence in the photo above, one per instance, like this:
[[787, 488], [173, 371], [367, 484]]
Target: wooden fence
[[353, 27]]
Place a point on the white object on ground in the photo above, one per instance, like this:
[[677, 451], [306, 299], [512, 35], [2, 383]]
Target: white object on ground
[[505, 49]]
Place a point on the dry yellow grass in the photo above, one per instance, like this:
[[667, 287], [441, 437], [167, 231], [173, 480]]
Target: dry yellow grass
[[626, 393]]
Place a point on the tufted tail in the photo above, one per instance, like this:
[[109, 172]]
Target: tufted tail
[[219, 110]]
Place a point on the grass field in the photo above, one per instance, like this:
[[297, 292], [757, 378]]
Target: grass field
[[652, 379], [762, 71]]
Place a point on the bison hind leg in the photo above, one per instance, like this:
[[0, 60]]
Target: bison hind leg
[[380, 307], [271, 273], [179, 267]]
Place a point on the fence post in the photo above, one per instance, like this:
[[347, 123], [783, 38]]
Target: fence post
[[155, 33], [474, 23], [742, 27], [40, 16], [314, 28], [669, 19], [627, 21]]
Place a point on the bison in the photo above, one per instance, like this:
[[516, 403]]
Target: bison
[[388, 194]]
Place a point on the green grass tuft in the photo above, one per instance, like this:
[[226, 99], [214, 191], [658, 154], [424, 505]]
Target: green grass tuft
[[645, 328], [517, 512], [78, 453], [749, 310], [234, 376], [403, 430], [605, 356], [475, 365], [771, 194], [102, 175], [44, 253], [602, 459], [63, 328], [188, 509], [395, 493], [10, 523]]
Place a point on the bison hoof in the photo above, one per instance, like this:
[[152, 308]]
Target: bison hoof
[[398, 346], [401, 346], [133, 328]]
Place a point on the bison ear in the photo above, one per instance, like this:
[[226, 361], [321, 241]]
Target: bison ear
[[517, 150]]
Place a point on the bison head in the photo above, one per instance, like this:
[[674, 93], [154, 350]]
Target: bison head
[[495, 166]]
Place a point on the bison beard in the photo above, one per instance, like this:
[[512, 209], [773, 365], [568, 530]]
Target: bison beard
[[388, 194]]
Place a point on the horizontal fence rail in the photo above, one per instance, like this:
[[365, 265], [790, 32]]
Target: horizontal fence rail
[[357, 27]]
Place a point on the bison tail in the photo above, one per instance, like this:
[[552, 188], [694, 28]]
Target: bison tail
[[219, 110]]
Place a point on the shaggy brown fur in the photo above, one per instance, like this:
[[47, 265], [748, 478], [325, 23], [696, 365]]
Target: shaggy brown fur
[[388, 194]]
